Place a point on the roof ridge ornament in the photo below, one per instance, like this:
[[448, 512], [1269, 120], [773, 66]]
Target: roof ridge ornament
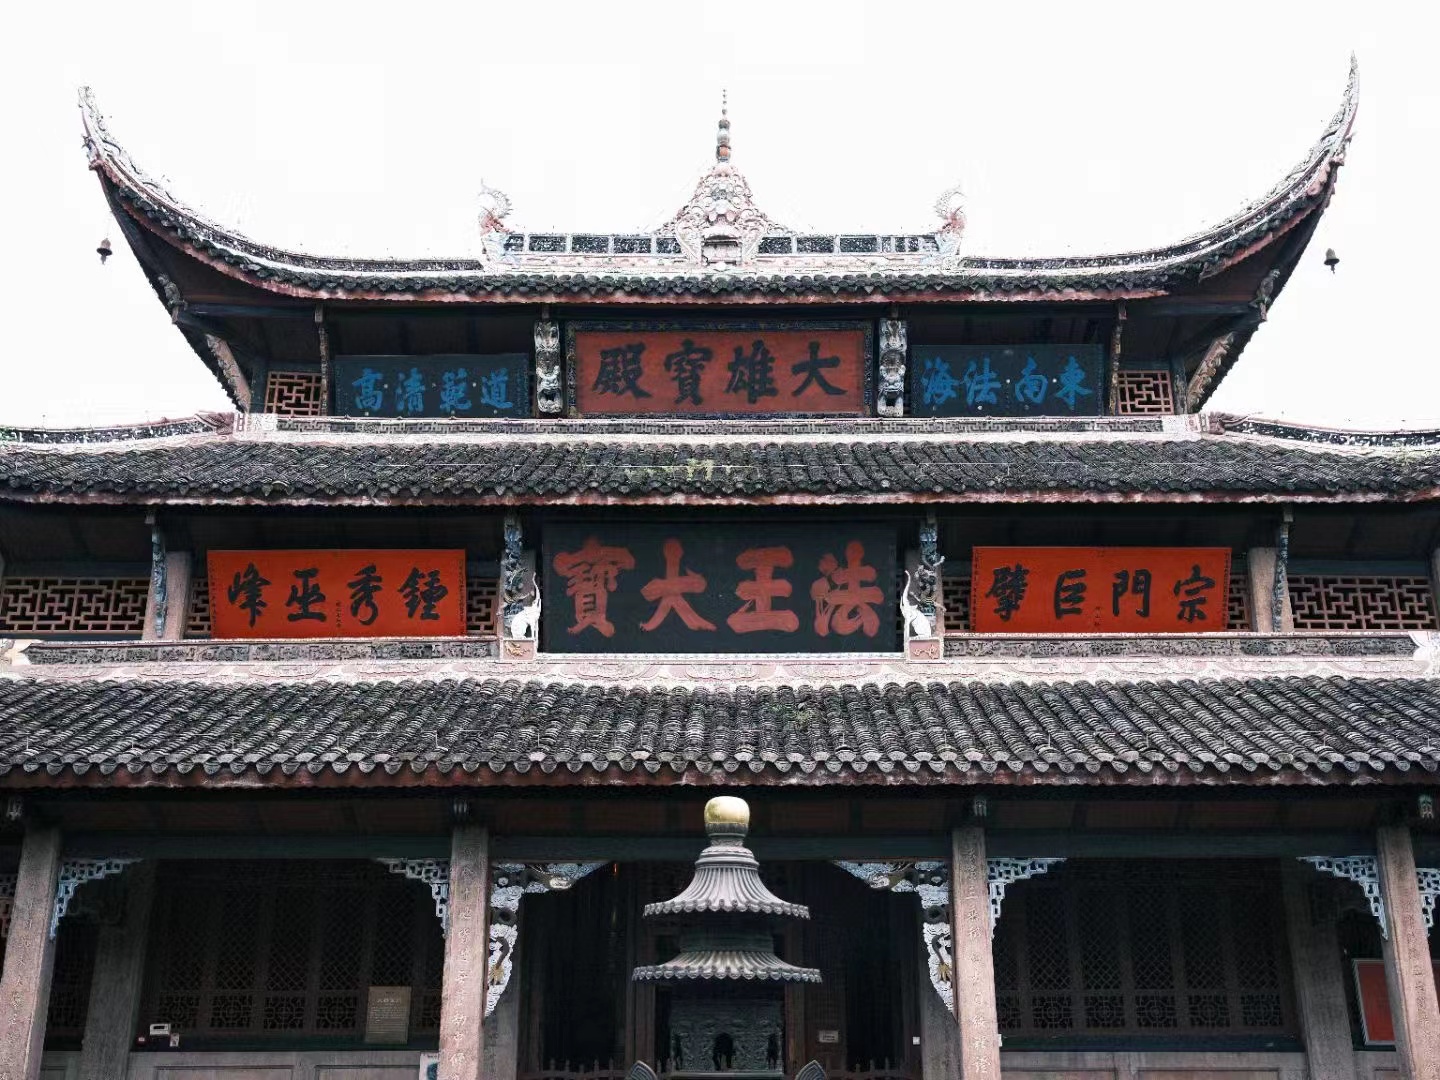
[[721, 225], [494, 206], [951, 208], [722, 134]]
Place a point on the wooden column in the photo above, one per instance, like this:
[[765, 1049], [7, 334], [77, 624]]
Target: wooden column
[[178, 568], [1260, 580], [1407, 957], [114, 1011], [467, 954], [973, 966], [29, 956], [1318, 977]]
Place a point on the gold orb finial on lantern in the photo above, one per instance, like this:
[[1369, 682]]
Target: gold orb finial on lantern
[[728, 812]]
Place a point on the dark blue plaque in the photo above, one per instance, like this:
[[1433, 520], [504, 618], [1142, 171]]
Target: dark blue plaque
[[1007, 380], [496, 384]]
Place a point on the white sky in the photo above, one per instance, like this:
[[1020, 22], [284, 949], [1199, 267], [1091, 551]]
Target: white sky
[[366, 128]]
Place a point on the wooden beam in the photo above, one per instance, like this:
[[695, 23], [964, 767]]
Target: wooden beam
[[248, 311], [114, 1011], [1408, 971], [1019, 843], [467, 956], [29, 956], [972, 963], [1319, 987]]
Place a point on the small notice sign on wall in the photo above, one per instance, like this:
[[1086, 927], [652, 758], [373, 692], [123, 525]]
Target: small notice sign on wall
[[387, 1014], [344, 593], [1092, 590]]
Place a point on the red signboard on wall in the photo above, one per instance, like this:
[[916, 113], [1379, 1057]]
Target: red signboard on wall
[[1376, 1020], [348, 593], [1090, 590], [672, 369]]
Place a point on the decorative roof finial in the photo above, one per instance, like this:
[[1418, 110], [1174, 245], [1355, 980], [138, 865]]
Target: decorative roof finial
[[722, 136]]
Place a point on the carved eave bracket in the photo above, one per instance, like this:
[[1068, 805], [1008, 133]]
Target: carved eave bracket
[[73, 874], [509, 882], [1429, 882], [434, 873], [930, 881], [1363, 870]]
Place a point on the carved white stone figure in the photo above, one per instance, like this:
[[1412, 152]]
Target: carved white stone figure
[[917, 623], [525, 623]]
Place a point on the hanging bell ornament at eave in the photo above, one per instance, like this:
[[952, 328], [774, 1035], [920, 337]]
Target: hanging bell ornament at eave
[[1331, 259], [104, 250]]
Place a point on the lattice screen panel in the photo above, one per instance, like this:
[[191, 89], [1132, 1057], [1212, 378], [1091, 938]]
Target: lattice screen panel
[[956, 590], [59, 606], [1361, 602], [272, 951], [1144, 393], [1155, 950], [197, 619], [1237, 605], [70, 982], [294, 393], [481, 598]]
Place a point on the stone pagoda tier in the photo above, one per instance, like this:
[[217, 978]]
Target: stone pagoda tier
[[732, 939], [723, 1006]]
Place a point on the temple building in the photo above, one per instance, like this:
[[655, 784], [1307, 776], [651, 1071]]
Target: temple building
[[1040, 721]]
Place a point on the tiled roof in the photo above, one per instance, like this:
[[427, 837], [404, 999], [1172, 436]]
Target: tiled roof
[[133, 730], [834, 461], [521, 266]]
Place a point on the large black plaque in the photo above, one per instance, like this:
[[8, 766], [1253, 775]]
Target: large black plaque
[[1010, 380], [496, 384], [719, 588]]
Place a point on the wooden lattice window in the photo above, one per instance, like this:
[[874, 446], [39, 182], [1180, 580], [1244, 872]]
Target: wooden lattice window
[[278, 950], [481, 598], [1132, 950], [72, 606], [1362, 602], [957, 603], [481, 601], [294, 393], [70, 982], [197, 617], [1237, 604], [1144, 393]]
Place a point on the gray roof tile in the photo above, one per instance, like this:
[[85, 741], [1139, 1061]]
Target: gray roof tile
[[739, 464], [135, 730]]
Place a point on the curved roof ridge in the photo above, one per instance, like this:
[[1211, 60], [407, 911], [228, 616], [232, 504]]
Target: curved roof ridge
[[1359, 438], [561, 262]]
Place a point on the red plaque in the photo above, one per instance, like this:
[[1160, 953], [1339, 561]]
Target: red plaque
[[669, 370], [1376, 1020], [349, 593], [1084, 590]]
